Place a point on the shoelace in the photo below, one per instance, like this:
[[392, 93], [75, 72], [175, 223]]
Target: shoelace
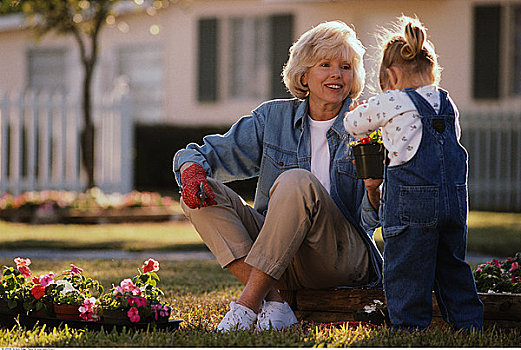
[[264, 317]]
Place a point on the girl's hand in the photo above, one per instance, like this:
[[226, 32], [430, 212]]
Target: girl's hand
[[373, 191]]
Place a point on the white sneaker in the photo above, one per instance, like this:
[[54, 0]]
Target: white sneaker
[[275, 315], [239, 317]]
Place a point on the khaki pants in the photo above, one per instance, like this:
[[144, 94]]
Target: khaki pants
[[303, 242]]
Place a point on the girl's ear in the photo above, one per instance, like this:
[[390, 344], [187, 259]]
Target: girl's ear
[[395, 77]]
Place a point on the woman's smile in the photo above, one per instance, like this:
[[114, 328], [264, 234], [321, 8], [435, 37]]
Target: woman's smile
[[329, 82]]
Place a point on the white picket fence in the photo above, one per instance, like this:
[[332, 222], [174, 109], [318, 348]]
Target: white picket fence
[[40, 143], [492, 137], [40, 148]]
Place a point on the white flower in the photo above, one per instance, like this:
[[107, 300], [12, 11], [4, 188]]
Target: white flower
[[370, 308], [68, 287], [378, 302]]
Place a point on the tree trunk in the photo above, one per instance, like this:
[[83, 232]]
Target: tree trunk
[[88, 133]]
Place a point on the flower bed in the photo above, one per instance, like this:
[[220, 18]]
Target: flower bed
[[93, 206], [71, 296], [498, 284], [499, 276]]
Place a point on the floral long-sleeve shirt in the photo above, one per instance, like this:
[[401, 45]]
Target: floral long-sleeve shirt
[[394, 112]]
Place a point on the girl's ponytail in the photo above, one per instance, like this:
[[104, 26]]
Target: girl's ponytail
[[406, 46], [415, 37]]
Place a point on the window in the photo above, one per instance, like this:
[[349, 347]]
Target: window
[[249, 69], [497, 51], [140, 68], [246, 53], [516, 77], [47, 69]]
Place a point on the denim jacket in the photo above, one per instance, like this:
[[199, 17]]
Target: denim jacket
[[275, 138]]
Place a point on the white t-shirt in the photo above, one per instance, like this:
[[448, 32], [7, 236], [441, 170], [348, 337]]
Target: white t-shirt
[[320, 158], [395, 113]]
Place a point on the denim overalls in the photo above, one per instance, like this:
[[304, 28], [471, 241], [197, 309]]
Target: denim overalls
[[424, 215]]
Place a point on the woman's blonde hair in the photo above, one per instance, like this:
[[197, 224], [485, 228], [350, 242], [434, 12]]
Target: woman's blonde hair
[[328, 40], [407, 48]]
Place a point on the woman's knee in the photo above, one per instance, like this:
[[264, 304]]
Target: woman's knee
[[295, 180]]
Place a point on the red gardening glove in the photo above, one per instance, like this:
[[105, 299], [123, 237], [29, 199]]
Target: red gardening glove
[[196, 191]]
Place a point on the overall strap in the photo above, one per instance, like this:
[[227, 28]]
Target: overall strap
[[446, 107], [425, 109]]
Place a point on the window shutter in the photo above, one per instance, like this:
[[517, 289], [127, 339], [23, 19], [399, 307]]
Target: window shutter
[[487, 24], [281, 40], [207, 60]]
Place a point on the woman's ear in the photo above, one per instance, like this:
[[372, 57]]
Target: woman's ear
[[304, 79], [395, 77]]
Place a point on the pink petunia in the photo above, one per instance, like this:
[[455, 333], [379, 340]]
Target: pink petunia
[[118, 290], [514, 267], [22, 262], [89, 302], [23, 266], [46, 279], [162, 309], [74, 269], [88, 309], [150, 265], [85, 313], [129, 286], [25, 271], [133, 314], [137, 301]]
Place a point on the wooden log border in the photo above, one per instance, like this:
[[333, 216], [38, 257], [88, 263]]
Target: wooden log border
[[341, 304]]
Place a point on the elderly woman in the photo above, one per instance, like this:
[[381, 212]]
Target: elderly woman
[[305, 229]]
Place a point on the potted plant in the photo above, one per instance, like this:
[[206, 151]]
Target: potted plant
[[70, 291], [136, 299], [41, 299], [369, 154], [14, 288]]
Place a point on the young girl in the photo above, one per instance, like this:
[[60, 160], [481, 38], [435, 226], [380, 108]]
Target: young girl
[[424, 201]]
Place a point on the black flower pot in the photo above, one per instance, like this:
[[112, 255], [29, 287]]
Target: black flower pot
[[369, 160]]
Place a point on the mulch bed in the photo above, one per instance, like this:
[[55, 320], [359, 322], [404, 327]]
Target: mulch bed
[[97, 216]]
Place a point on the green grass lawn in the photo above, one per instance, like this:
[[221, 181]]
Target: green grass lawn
[[200, 292], [493, 234], [133, 237]]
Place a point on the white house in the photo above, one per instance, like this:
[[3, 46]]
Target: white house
[[211, 61]]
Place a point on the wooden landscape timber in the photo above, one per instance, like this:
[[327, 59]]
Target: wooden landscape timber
[[347, 305], [97, 216]]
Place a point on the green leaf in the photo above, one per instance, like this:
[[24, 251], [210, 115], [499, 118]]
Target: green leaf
[[154, 276], [12, 304]]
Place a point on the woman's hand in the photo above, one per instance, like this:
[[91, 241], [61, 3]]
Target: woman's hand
[[373, 191], [197, 192]]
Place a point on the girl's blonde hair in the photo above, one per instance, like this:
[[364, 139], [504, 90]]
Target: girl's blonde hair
[[328, 40], [407, 48]]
